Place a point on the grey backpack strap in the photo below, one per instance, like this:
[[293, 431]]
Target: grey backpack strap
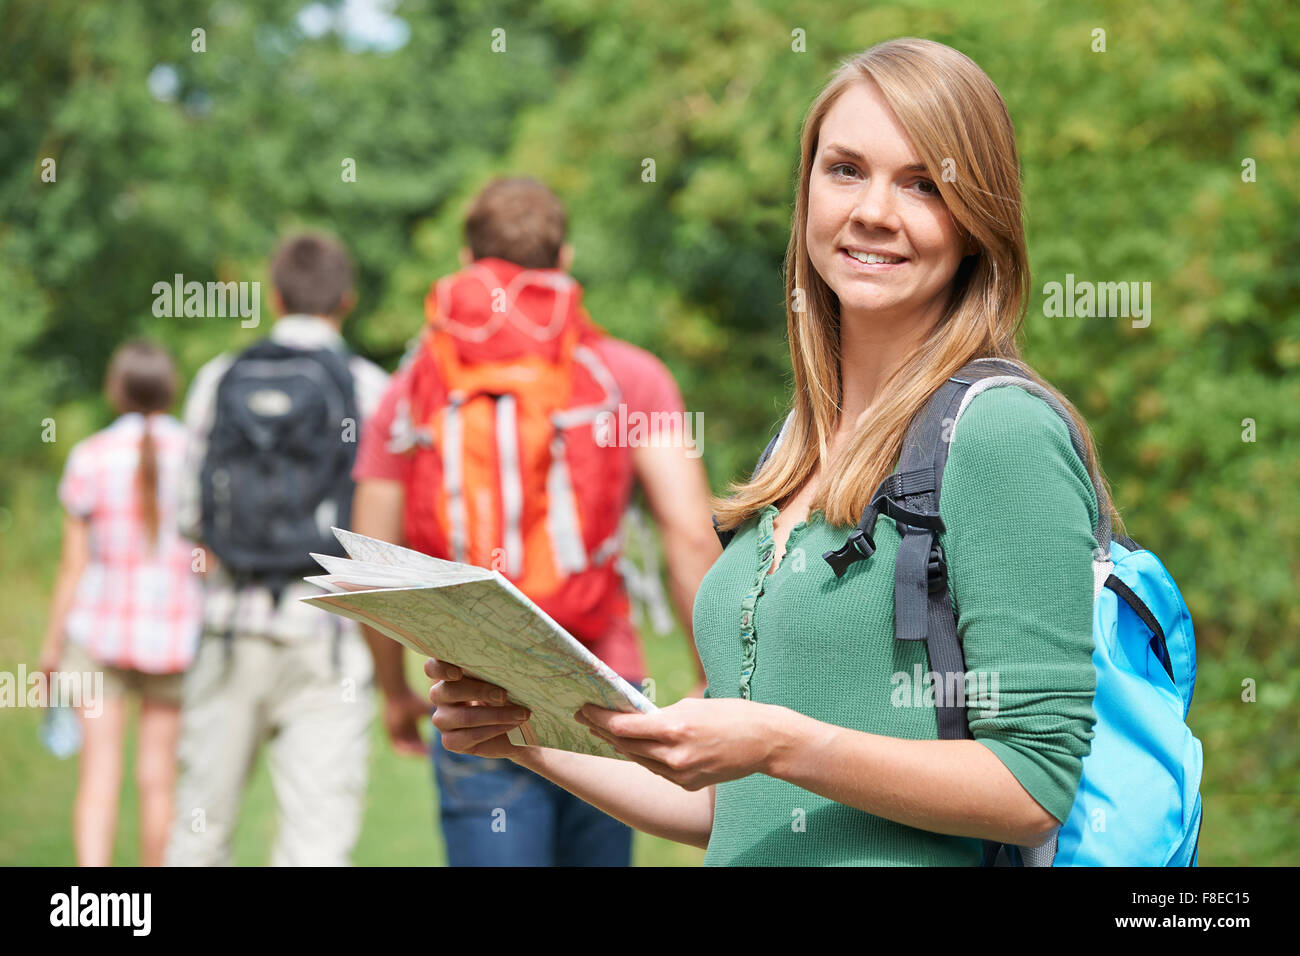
[[922, 609]]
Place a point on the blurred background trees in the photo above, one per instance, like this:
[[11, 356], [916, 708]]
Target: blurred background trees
[[1169, 158]]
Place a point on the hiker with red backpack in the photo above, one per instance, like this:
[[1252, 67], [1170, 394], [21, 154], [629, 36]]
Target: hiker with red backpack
[[273, 433], [496, 446]]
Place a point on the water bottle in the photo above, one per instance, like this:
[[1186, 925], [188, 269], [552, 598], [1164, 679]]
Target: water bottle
[[61, 731]]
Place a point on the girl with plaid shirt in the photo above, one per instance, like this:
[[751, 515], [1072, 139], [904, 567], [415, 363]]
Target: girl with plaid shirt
[[127, 602]]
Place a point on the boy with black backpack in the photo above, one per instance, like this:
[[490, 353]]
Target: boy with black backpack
[[272, 439]]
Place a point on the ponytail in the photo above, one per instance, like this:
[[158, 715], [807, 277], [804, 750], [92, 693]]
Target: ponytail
[[147, 485], [142, 378]]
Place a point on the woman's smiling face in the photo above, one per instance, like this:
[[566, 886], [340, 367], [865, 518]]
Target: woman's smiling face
[[868, 192]]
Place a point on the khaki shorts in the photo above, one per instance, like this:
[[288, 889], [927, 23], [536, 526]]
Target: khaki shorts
[[119, 681]]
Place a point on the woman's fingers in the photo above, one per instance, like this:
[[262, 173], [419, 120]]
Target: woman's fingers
[[652, 751], [654, 766], [459, 717], [461, 741], [601, 718], [623, 746], [467, 689], [441, 670], [454, 684], [470, 714]]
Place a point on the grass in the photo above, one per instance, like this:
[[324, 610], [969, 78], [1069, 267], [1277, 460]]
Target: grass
[[37, 790], [1250, 791]]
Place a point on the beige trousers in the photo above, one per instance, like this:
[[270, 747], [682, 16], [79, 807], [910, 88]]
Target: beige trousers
[[315, 720]]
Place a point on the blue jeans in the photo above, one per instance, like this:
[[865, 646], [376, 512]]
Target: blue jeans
[[496, 813]]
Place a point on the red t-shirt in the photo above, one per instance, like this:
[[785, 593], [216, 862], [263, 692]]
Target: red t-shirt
[[646, 387]]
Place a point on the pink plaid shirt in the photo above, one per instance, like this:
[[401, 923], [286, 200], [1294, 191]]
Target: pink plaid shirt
[[133, 608]]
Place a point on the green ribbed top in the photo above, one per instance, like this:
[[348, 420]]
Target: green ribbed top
[[1019, 509]]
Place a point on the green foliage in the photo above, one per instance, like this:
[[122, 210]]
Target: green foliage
[[1133, 171]]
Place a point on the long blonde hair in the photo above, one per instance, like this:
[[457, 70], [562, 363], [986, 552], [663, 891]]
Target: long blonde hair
[[951, 111]]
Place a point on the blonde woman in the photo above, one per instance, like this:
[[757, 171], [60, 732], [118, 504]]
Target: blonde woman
[[126, 603], [897, 275]]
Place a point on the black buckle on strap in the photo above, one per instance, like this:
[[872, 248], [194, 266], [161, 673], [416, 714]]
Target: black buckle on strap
[[936, 569], [929, 520], [858, 546]]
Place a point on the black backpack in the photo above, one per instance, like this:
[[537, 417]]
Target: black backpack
[[278, 470]]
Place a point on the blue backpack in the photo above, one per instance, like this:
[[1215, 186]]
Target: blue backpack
[[1138, 802]]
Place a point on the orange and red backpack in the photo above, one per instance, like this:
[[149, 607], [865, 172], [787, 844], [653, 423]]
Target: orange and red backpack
[[511, 468]]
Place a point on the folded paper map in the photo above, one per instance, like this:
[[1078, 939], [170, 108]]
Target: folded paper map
[[478, 620]]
